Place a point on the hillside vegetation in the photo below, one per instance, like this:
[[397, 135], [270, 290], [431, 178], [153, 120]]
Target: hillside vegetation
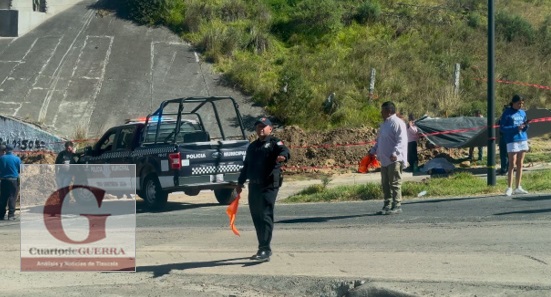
[[290, 55]]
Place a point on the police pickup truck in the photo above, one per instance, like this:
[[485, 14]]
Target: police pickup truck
[[186, 145]]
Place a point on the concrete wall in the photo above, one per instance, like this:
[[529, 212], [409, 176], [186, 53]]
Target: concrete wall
[[27, 137], [5, 4], [28, 18]]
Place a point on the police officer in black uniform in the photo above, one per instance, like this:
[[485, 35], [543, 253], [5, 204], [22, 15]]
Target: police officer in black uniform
[[64, 175], [262, 167]]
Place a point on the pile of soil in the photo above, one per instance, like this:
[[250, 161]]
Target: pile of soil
[[37, 180], [341, 150], [37, 157]]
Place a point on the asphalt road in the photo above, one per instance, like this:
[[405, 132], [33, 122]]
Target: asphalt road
[[490, 246], [81, 69]]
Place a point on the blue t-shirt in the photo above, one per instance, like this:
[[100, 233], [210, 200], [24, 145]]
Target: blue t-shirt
[[510, 120], [9, 166]]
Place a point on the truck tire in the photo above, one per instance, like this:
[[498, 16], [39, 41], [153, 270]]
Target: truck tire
[[153, 195], [225, 196]]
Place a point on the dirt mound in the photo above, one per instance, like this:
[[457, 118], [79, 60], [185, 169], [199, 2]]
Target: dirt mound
[[38, 157], [339, 150]]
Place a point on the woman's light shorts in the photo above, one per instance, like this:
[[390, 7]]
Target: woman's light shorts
[[519, 146]]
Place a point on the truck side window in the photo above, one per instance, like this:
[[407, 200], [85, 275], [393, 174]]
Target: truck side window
[[107, 143], [126, 138]]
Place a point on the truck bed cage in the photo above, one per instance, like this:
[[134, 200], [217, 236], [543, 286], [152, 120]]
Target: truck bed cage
[[195, 103]]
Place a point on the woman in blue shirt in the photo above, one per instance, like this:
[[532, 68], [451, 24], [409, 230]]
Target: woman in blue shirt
[[513, 125]]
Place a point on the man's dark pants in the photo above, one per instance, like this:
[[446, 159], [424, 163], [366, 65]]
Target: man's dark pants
[[471, 153], [8, 195], [261, 205], [412, 154]]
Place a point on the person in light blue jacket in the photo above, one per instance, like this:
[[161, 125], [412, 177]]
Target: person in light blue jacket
[[513, 125]]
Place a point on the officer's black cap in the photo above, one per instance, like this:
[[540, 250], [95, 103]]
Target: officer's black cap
[[264, 120]]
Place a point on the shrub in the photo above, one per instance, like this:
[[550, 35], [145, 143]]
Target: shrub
[[314, 18], [199, 12], [544, 33], [368, 11], [466, 5], [514, 28], [145, 12], [233, 10], [474, 20]]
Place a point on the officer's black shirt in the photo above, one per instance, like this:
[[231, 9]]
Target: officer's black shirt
[[260, 165], [65, 157]]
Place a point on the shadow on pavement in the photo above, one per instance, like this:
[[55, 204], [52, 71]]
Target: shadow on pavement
[[323, 219], [531, 211], [442, 200], [140, 207], [171, 206], [533, 198], [160, 270]]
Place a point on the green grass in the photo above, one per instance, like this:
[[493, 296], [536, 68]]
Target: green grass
[[543, 157], [289, 55], [457, 185]]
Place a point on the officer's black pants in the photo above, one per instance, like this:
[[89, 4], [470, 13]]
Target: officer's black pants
[[8, 195], [261, 205]]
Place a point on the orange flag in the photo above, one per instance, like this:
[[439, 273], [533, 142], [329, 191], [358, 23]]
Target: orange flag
[[364, 163], [232, 212], [374, 163], [368, 162]]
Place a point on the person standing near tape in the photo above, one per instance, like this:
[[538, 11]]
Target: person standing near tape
[[9, 181], [413, 137], [66, 157], [392, 151], [262, 167], [503, 157], [477, 114], [513, 125]]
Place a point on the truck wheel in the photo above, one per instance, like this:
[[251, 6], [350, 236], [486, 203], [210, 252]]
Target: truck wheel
[[225, 196], [153, 195]]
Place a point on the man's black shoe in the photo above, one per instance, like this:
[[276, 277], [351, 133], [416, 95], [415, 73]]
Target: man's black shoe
[[384, 211], [262, 256], [11, 218], [395, 210]]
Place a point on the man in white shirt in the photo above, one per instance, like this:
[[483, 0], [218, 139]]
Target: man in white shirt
[[391, 150]]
